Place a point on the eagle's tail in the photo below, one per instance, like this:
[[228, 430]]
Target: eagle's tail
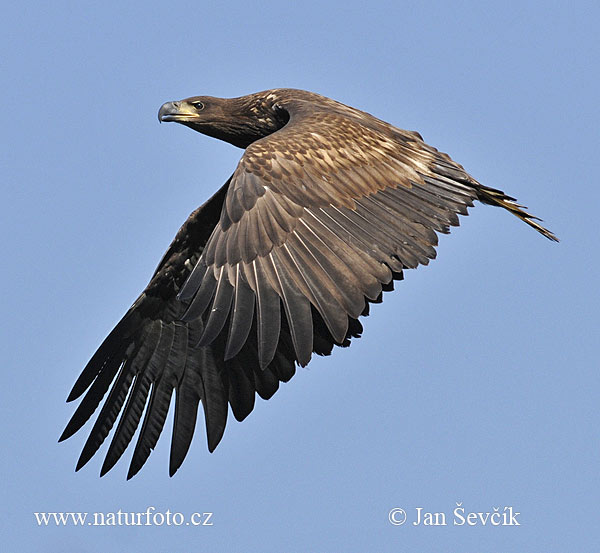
[[492, 196]]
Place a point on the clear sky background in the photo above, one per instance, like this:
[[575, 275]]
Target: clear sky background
[[475, 382]]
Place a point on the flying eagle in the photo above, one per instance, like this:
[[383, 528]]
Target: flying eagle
[[326, 208]]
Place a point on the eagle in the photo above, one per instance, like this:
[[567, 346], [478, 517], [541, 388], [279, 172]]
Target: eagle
[[326, 208]]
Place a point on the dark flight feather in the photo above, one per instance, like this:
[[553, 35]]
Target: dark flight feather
[[326, 208]]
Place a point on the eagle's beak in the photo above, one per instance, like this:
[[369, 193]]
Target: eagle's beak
[[176, 111]]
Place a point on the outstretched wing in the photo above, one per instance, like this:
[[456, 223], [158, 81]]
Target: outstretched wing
[[318, 219], [151, 352]]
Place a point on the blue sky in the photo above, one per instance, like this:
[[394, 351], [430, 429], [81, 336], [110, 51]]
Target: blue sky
[[475, 382]]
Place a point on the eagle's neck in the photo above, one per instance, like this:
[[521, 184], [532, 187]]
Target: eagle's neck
[[247, 119]]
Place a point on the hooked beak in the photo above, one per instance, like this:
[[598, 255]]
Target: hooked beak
[[180, 112]]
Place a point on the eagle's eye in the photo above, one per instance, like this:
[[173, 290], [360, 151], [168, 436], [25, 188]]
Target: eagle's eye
[[198, 105]]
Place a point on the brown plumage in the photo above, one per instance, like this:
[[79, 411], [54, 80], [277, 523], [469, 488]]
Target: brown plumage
[[326, 208]]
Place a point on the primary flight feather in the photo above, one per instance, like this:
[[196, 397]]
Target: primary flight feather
[[326, 208]]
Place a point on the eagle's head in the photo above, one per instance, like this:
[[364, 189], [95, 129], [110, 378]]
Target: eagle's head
[[239, 121]]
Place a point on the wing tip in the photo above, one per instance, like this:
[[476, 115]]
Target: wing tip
[[174, 465], [65, 435], [498, 198], [74, 394], [134, 468], [81, 462], [214, 437]]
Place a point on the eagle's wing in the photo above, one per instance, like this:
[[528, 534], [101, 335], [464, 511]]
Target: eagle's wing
[[319, 217], [151, 352]]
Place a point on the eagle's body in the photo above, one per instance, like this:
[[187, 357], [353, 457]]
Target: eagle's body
[[325, 209]]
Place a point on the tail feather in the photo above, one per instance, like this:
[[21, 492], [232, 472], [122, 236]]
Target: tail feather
[[498, 198]]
